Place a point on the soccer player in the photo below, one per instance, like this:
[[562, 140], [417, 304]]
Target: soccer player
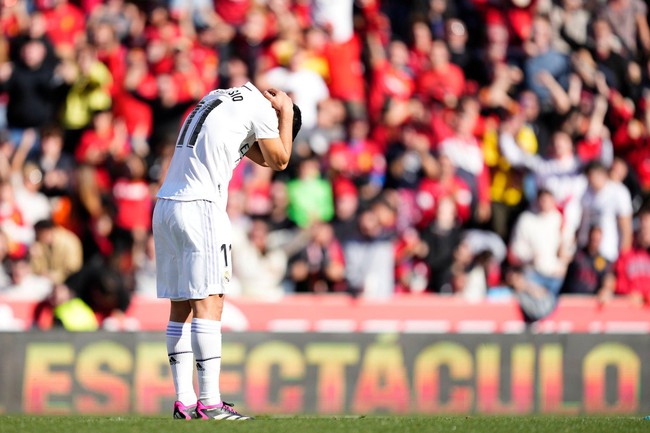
[[192, 231]]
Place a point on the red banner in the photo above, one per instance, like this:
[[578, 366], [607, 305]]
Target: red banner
[[407, 314]]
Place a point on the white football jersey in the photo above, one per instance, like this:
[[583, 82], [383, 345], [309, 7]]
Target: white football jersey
[[213, 139]]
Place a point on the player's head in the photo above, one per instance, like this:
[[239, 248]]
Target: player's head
[[297, 121]]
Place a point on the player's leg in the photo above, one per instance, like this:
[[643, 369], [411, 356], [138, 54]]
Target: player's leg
[[179, 342], [206, 343], [206, 340], [206, 232], [181, 358], [206, 272]]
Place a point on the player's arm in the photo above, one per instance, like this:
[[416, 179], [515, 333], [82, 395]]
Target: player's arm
[[254, 153], [277, 151], [626, 232]]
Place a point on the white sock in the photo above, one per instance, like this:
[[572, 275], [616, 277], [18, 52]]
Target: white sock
[[206, 343], [181, 361]]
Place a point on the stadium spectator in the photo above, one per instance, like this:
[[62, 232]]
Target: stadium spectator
[[608, 205], [26, 179], [420, 47], [544, 62], [13, 223], [445, 184], [319, 266], [66, 25], [629, 21], [469, 272], [32, 27], [621, 172], [114, 16], [411, 273], [586, 122], [443, 82], [258, 268], [104, 35], [614, 65], [32, 87], [538, 247], [23, 283], [507, 182], [561, 174], [497, 93], [570, 21], [535, 301], [542, 124], [408, 158], [56, 252], [633, 265], [253, 38], [203, 54], [346, 205], [194, 12], [590, 273], [133, 201], [310, 196], [32, 203], [359, 158], [457, 37], [88, 93], [306, 86], [103, 288], [343, 50], [56, 166], [279, 223], [257, 187], [392, 80], [466, 154], [369, 258], [488, 252], [102, 145], [442, 239], [62, 309], [329, 126]]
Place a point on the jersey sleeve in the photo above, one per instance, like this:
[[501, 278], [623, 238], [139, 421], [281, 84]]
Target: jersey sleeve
[[265, 120]]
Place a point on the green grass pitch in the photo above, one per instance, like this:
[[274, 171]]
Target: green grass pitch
[[306, 424]]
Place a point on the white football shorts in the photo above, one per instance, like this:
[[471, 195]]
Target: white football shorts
[[193, 241]]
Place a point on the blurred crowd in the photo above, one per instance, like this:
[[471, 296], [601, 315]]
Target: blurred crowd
[[474, 148]]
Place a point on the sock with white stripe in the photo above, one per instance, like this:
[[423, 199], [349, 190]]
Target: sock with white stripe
[[206, 343], [181, 361]]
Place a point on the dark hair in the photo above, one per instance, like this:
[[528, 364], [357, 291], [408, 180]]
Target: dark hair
[[44, 225], [544, 191], [297, 121], [51, 130], [595, 165], [594, 227]]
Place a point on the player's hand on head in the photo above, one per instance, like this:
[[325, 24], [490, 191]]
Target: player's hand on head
[[280, 101]]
